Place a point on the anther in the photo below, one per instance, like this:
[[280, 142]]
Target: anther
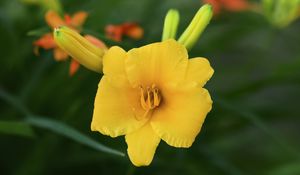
[[150, 97]]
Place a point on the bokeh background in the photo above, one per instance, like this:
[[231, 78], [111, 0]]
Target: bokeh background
[[253, 128]]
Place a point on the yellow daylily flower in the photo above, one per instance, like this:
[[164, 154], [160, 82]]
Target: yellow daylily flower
[[151, 93]]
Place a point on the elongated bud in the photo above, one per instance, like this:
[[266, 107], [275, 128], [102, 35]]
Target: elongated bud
[[170, 25], [79, 48], [196, 27], [281, 12]]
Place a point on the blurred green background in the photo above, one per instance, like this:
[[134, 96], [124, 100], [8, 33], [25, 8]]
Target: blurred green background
[[253, 127]]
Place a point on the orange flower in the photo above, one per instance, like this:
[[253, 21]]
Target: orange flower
[[47, 41], [229, 5], [130, 29]]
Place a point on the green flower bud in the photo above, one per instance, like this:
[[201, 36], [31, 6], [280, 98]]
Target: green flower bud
[[192, 33], [170, 25], [281, 12], [79, 48]]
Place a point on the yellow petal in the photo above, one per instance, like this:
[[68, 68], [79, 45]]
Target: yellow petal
[[53, 19], [79, 18], [179, 119], [199, 71], [156, 63], [117, 110], [142, 145], [113, 62]]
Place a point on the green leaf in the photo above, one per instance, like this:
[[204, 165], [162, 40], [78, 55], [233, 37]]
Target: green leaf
[[69, 132], [16, 128], [13, 101]]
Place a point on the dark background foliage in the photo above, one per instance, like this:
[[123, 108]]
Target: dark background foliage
[[252, 129]]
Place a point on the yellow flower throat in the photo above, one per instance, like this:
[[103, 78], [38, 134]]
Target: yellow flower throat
[[150, 97]]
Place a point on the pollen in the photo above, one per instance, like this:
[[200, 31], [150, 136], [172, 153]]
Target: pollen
[[150, 97]]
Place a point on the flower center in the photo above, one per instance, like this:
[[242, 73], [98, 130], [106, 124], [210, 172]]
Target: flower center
[[150, 97]]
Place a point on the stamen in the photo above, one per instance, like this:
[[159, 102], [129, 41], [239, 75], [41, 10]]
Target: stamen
[[156, 97], [143, 100], [150, 97]]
